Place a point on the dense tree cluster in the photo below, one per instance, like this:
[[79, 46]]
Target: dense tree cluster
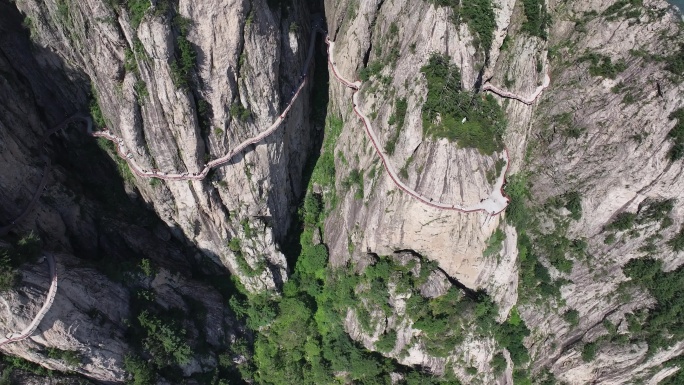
[[456, 114]]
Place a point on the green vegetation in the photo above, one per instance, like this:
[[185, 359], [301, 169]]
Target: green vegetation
[[510, 335], [299, 335], [602, 65], [589, 351], [184, 63], [141, 373], [235, 245], [623, 9], [677, 136], [675, 62], [324, 172], [573, 202], [397, 118], [534, 245], [622, 221], [537, 19], [12, 363], [478, 14], [447, 104], [571, 316], [372, 69], [130, 65], [355, 178], [23, 250], [164, 340], [677, 242], [141, 93], [493, 173], [499, 363], [121, 165], [387, 342], [31, 26], [663, 325], [96, 111], [70, 357], [136, 11], [494, 243], [239, 112]]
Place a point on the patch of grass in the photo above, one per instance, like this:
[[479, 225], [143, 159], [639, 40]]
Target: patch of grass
[[141, 92], [184, 63], [372, 69], [573, 202], [69, 357], [498, 363], [239, 112], [136, 11], [571, 317], [26, 249], [675, 62], [677, 242], [355, 178], [589, 351], [623, 221], [448, 104], [537, 19], [397, 118], [164, 340], [478, 14], [602, 65], [387, 342], [623, 8], [140, 371], [96, 111], [494, 243]]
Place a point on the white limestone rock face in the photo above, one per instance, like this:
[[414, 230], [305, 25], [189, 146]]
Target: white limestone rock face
[[386, 219], [617, 162], [475, 351], [69, 324], [240, 47], [90, 315]]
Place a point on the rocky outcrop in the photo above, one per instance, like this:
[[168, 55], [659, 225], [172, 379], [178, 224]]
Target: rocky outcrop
[[386, 219], [91, 316], [103, 230], [176, 118], [586, 133]]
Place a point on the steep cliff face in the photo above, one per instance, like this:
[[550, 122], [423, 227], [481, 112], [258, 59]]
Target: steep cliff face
[[184, 83], [599, 133], [402, 34], [594, 184], [114, 258], [605, 138]]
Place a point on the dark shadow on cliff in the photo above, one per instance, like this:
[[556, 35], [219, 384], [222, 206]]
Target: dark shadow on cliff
[[86, 208], [291, 247]]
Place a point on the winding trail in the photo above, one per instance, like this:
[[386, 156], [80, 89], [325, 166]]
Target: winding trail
[[494, 204], [136, 169], [509, 95], [28, 330]]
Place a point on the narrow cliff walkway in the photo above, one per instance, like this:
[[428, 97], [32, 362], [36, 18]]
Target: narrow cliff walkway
[[494, 204], [14, 337]]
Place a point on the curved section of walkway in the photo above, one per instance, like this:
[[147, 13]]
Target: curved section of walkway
[[28, 330], [135, 168], [527, 100], [494, 204]]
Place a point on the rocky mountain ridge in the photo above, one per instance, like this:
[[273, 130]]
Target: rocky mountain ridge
[[184, 83]]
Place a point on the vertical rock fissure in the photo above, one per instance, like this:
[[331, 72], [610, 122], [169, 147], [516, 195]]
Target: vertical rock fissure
[[366, 55]]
